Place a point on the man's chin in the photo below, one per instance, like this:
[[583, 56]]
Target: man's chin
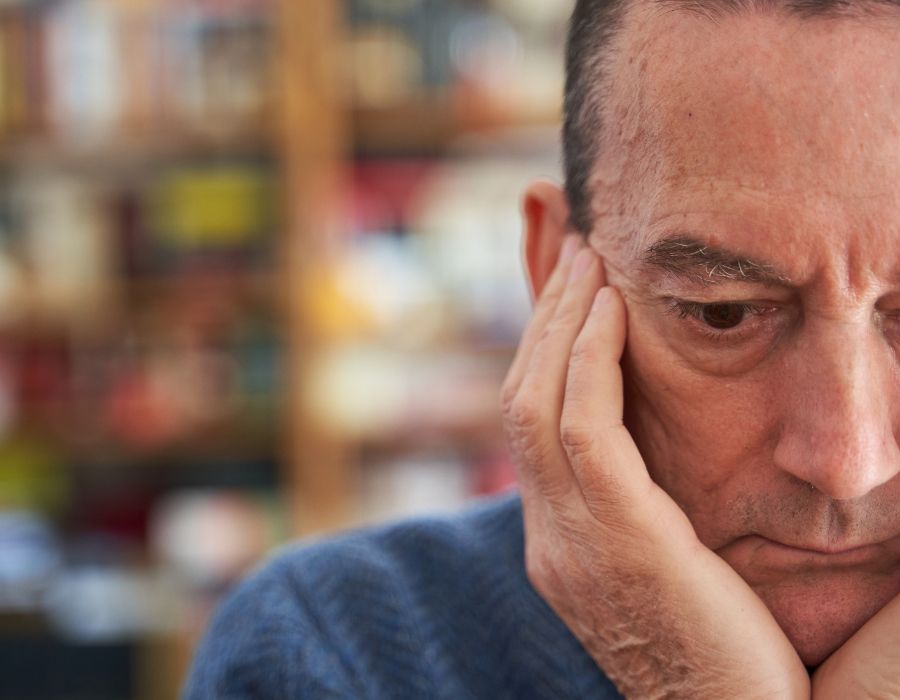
[[820, 614]]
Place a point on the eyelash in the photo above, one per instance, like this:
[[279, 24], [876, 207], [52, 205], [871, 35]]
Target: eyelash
[[692, 309]]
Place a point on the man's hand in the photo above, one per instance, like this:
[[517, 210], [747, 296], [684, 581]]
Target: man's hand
[[607, 548], [867, 666]]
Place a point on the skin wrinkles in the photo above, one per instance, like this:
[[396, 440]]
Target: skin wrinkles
[[851, 269], [788, 159]]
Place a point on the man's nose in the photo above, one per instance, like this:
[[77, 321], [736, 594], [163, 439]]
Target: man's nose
[[837, 433]]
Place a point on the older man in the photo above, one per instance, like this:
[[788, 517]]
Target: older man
[[710, 509]]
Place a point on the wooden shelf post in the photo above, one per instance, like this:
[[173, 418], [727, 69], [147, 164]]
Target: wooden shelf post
[[312, 137]]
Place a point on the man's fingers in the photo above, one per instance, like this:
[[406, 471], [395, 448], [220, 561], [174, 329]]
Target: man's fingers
[[543, 312], [595, 375], [535, 413], [547, 370], [602, 454]]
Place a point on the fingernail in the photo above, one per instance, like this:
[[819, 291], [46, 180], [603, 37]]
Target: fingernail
[[569, 248], [602, 299], [583, 262]]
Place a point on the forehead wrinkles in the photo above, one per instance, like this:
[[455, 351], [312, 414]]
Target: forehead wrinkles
[[790, 101], [734, 103]]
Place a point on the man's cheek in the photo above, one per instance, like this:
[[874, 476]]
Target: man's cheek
[[697, 431]]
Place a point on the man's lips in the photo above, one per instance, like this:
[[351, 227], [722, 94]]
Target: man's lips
[[827, 556], [761, 552]]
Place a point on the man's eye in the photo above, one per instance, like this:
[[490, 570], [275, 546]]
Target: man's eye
[[723, 316], [720, 317]]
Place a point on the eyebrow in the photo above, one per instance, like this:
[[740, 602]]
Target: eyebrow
[[685, 256]]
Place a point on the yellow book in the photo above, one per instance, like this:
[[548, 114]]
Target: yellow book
[[220, 207]]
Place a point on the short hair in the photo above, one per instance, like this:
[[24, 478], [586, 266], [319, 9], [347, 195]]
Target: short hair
[[592, 30]]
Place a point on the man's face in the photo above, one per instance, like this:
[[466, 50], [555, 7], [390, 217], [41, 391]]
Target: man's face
[[750, 213]]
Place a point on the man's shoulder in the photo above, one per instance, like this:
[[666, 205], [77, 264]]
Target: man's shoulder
[[414, 552], [429, 607]]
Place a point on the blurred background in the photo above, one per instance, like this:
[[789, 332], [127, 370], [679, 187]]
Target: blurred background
[[259, 279]]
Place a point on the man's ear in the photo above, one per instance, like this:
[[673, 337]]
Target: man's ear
[[545, 210]]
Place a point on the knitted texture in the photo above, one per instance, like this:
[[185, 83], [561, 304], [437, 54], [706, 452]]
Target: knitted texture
[[431, 608]]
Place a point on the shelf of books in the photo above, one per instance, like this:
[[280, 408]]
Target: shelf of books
[[259, 278], [417, 302], [141, 338]]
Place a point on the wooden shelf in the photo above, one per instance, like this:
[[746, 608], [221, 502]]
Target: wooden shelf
[[137, 148], [243, 284], [432, 125], [229, 452]]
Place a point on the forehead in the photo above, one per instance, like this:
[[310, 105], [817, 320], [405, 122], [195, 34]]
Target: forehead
[[772, 130]]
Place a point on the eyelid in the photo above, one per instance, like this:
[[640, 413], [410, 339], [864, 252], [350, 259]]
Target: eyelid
[[687, 309], [718, 291]]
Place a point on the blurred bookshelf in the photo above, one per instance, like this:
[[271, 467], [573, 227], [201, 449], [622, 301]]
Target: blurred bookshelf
[[413, 308], [259, 278]]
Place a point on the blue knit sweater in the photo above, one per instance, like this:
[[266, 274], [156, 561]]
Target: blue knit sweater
[[436, 608]]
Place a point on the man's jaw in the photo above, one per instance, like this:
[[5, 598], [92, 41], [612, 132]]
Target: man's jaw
[[820, 595]]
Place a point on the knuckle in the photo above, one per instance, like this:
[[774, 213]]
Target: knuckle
[[576, 439], [545, 339], [524, 413], [508, 393], [535, 455], [524, 430], [585, 353]]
